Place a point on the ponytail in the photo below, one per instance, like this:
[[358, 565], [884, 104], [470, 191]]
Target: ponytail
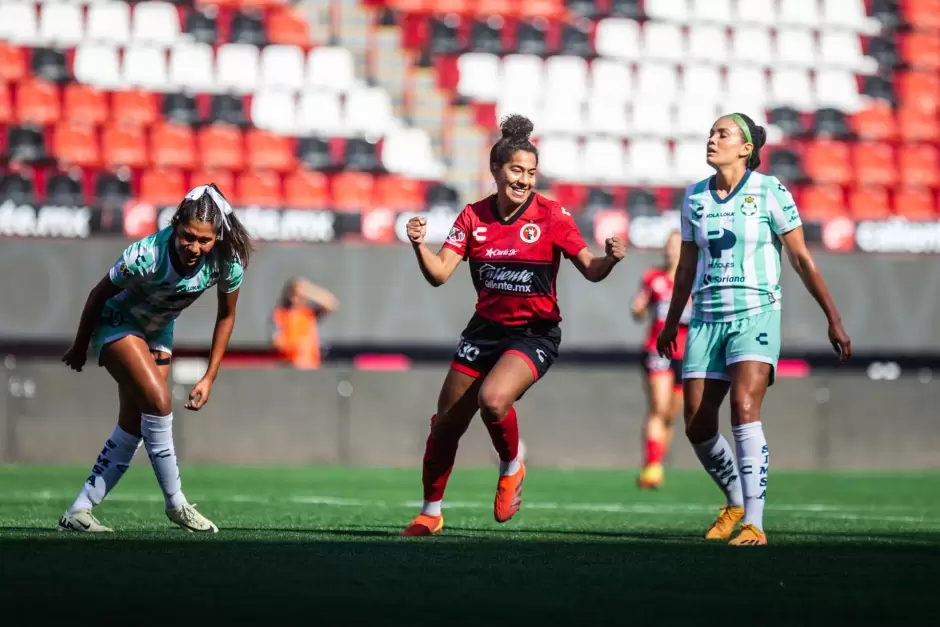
[[207, 204]]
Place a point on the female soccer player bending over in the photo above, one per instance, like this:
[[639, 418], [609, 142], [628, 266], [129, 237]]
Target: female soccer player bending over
[[129, 318], [732, 227], [514, 241]]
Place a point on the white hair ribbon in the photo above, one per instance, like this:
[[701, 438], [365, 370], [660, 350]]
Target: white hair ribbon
[[197, 192]]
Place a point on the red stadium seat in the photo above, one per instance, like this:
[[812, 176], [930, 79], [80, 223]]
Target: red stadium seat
[[874, 164], [920, 90], [258, 188], [923, 14], [352, 191], [915, 203], [877, 122], [304, 189], [135, 108], [486, 8], [920, 165], [124, 146], [287, 26], [921, 50], [162, 187], [822, 202], [85, 105], [220, 146], [401, 194], [172, 146], [919, 125], [267, 151], [549, 9], [6, 105], [12, 63], [870, 202], [827, 161], [37, 102], [76, 145], [223, 179]]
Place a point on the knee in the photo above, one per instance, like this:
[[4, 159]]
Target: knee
[[700, 426], [494, 403], [744, 409], [157, 401]]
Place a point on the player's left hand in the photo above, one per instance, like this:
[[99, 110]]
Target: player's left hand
[[615, 248], [200, 395], [841, 343]]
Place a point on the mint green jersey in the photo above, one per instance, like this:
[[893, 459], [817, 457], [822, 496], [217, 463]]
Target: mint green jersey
[[154, 293], [738, 238]]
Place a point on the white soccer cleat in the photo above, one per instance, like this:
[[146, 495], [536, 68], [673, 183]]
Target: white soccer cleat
[[189, 519], [82, 521]]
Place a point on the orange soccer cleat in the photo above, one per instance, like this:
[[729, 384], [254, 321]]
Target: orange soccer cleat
[[509, 495], [651, 477], [724, 525], [424, 525], [749, 536]]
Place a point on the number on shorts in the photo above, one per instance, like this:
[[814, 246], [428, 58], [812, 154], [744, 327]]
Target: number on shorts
[[468, 351]]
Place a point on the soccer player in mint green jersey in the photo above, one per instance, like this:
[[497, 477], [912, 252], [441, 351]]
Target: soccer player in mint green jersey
[[733, 224], [128, 319]]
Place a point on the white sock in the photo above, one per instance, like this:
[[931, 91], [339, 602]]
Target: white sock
[[158, 438], [110, 466], [431, 508], [717, 458], [753, 460], [507, 469]]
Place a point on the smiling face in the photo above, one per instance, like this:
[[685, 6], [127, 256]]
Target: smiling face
[[515, 179], [194, 240], [726, 143]]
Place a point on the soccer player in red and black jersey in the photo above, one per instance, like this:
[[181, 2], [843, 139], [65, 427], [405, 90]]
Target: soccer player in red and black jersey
[[663, 376], [514, 241]]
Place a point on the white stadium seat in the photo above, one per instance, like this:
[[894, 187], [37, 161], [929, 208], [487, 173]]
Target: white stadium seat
[[320, 113], [191, 67], [714, 11], [689, 162], [694, 118], [709, 43], [843, 49], [752, 44], [156, 23], [756, 12], [331, 67], [560, 158], [668, 10], [522, 72], [566, 77], [792, 87], [795, 47], [648, 162], [617, 37], [800, 13], [61, 24], [523, 102], [97, 65], [607, 117], [275, 110], [611, 80], [657, 81], [146, 67], [479, 74], [603, 161], [837, 89], [663, 41], [282, 67], [237, 68], [561, 115], [108, 22], [19, 23], [702, 83], [368, 110], [651, 119], [409, 152], [747, 89], [848, 14]]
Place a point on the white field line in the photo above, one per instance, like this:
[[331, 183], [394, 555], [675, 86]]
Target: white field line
[[818, 510]]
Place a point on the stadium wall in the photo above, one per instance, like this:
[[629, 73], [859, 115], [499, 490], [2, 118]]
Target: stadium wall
[[889, 303], [577, 418]]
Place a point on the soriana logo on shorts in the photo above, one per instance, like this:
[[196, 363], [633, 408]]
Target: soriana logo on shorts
[[610, 223], [140, 219], [838, 235]]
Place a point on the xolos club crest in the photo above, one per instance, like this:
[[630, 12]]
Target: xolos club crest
[[530, 233]]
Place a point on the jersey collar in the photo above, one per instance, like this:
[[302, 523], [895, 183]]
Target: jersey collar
[[516, 215], [712, 187]]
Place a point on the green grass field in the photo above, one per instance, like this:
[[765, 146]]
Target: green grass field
[[319, 546]]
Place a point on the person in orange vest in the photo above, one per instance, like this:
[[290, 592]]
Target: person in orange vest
[[296, 334]]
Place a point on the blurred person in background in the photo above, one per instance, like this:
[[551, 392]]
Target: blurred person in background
[[733, 226], [514, 241], [129, 319], [663, 376], [296, 322]]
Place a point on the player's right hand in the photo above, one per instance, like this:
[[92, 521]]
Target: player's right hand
[[75, 358], [417, 229], [666, 342]]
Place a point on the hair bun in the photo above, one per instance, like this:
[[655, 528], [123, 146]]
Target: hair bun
[[516, 126], [760, 136]]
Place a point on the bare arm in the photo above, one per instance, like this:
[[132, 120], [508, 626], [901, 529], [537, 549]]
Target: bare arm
[[596, 268], [640, 305], [682, 286], [94, 305], [436, 268], [322, 299], [224, 323]]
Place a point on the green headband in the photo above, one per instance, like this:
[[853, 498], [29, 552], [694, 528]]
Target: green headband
[[744, 129]]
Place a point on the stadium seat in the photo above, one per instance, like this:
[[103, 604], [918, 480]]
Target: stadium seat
[[50, 65], [98, 65], [201, 27], [108, 23], [181, 109], [282, 67], [869, 202], [920, 89], [314, 153], [162, 187], [221, 147], [19, 23], [173, 146], [828, 161], [76, 145], [368, 111], [847, 14], [792, 87], [919, 165], [651, 119], [330, 68], [788, 120], [145, 67], [712, 11], [668, 10], [485, 35], [61, 24], [479, 76], [531, 37], [25, 144], [17, 188], [884, 51], [6, 105], [566, 77], [559, 158], [648, 162], [12, 63], [124, 146], [134, 108], [229, 109], [657, 81], [223, 179], [258, 188], [275, 110], [919, 124], [921, 50], [915, 203], [611, 80], [819, 203], [522, 73], [752, 44], [561, 115], [756, 12], [837, 89], [690, 163], [607, 117], [191, 67], [831, 123], [237, 68], [85, 105], [843, 50], [155, 22], [702, 83], [641, 203], [876, 122], [694, 118], [803, 13], [352, 191], [398, 193], [874, 163], [320, 113], [785, 164], [618, 38], [112, 191], [709, 43], [267, 151], [247, 28], [288, 27], [663, 41], [576, 40], [408, 152], [923, 13], [304, 189], [747, 89], [37, 102], [64, 190], [603, 160]]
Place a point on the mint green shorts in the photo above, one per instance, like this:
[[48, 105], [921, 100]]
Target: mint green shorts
[[713, 346], [115, 324]]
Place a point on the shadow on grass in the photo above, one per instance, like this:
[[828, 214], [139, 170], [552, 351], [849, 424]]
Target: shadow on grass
[[360, 576]]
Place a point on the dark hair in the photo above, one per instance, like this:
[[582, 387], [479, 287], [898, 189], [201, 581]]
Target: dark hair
[[758, 139], [234, 243], [516, 130]]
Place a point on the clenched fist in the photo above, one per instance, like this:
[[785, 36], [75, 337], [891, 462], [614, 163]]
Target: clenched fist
[[615, 248], [417, 229]]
